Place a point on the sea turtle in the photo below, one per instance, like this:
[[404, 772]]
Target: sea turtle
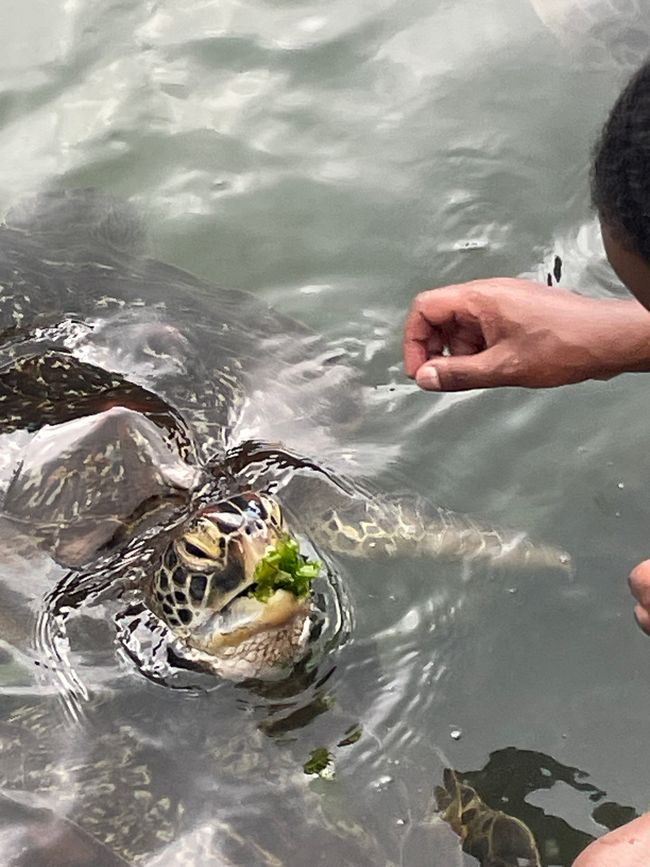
[[140, 374], [134, 401]]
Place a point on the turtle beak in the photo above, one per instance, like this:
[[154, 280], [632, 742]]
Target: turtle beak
[[240, 555]]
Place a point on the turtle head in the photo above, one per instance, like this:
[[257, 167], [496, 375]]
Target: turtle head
[[202, 587]]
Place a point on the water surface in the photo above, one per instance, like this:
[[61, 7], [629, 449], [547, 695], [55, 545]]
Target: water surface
[[334, 159]]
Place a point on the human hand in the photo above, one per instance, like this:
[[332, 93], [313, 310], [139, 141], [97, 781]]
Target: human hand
[[515, 332], [640, 586]]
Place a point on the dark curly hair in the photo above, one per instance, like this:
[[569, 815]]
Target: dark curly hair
[[620, 175]]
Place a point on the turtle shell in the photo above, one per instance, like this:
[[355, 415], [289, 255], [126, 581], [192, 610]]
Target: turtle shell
[[120, 377], [74, 280]]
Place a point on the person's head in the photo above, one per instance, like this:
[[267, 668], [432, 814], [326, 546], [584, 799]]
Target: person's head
[[620, 185]]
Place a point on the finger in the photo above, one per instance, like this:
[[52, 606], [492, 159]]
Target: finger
[[639, 582], [429, 311], [471, 335], [461, 346], [642, 618], [462, 372], [417, 333], [435, 344], [421, 341]]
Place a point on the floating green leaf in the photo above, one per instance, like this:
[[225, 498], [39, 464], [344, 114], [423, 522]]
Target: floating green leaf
[[320, 761]]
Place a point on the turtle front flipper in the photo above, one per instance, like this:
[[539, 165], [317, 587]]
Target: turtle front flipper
[[95, 480], [370, 525], [55, 387], [494, 838]]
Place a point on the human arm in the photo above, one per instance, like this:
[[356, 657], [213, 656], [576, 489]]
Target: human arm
[[515, 332]]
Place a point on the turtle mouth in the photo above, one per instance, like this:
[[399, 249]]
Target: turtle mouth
[[245, 617], [245, 606], [273, 600], [274, 593], [248, 591], [236, 585]]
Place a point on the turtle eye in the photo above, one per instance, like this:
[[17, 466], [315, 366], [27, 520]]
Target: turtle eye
[[227, 521], [195, 551], [256, 509]]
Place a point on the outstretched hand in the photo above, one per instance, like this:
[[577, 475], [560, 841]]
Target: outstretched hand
[[503, 331]]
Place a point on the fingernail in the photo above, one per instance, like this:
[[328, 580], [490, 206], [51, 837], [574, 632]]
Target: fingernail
[[428, 378]]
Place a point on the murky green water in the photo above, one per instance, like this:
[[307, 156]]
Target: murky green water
[[334, 159]]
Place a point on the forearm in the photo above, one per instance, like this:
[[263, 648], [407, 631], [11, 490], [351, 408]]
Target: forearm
[[617, 336]]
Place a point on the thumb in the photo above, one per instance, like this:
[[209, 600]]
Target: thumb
[[463, 372]]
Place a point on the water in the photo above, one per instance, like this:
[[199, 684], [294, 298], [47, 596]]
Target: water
[[334, 160]]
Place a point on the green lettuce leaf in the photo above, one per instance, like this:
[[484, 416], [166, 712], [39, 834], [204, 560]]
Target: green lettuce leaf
[[283, 567]]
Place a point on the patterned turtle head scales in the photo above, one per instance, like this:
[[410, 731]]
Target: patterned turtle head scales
[[214, 559]]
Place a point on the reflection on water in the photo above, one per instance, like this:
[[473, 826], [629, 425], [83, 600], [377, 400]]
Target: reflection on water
[[509, 782], [334, 161]]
